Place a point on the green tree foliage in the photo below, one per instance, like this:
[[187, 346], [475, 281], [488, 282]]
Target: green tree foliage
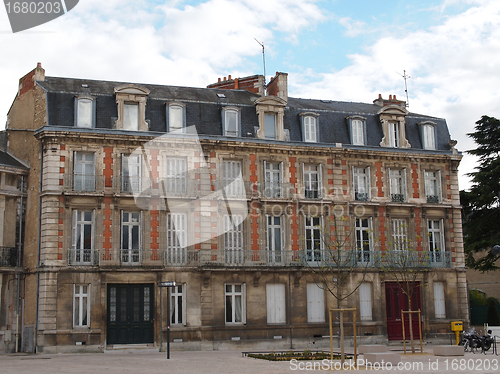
[[481, 205], [492, 316]]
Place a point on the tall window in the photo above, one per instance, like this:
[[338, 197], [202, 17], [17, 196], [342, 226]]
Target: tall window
[[233, 239], [131, 238], [273, 187], [235, 303], [400, 234], [364, 240], [84, 171], [310, 129], [231, 122], [428, 136], [315, 303], [176, 238], [175, 117], [176, 178], [131, 173], [439, 302], [275, 239], [432, 186], [84, 112], [270, 126], [83, 238], [358, 132], [314, 244], [131, 116], [178, 305], [81, 305], [436, 240], [394, 134], [312, 181], [397, 185], [276, 305], [365, 301], [232, 179], [361, 183]]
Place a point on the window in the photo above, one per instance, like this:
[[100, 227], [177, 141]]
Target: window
[[394, 134], [273, 187], [131, 173], [400, 234], [276, 306], [176, 180], [364, 240], [314, 244], [432, 186], [84, 113], [439, 302], [436, 240], [270, 126], [84, 172], [131, 238], [397, 185], [233, 239], [315, 303], [131, 116], [235, 303], [176, 121], [176, 238], [81, 305], [361, 183], [365, 301], [82, 252], [310, 129], [232, 179], [358, 132], [275, 239], [231, 122], [428, 137], [312, 181], [178, 305]]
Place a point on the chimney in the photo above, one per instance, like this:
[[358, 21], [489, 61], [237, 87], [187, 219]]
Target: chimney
[[278, 86], [380, 101], [252, 83], [27, 82]]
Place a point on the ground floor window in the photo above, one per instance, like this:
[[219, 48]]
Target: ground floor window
[[439, 306], [235, 303], [178, 305], [81, 305], [315, 303], [275, 297], [365, 302]]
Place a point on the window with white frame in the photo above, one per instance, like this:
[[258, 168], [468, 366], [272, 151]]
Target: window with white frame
[[178, 304], [394, 134], [131, 238], [312, 181], [315, 303], [81, 305], [400, 234], [397, 185], [365, 301], [131, 116], [361, 183], [270, 126], [436, 240], [432, 186], [84, 171], [131, 173], [84, 112], [364, 239], [176, 118], [275, 239], [235, 303], [273, 186], [314, 243], [232, 178], [231, 122], [82, 252], [176, 176], [439, 300], [358, 132], [428, 136], [310, 129], [276, 305], [176, 238], [233, 239]]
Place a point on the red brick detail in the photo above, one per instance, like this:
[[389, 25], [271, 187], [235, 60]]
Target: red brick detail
[[108, 167], [62, 159], [253, 168], [344, 172], [61, 170], [381, 227], [254, 225], [59, 256], [379, 176], [329, 161], [63, 147], [343, 162], [213, 246], [61, 182], [197, 246], [295, 229], [212, 154], [155, 245], [415, 185], [293, 170], [418, 228]]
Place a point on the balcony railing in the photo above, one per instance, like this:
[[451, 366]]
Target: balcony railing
[[8, 257], [342, 258], [131, 258], [83, 183], [156, 187], [241, 257], [82, 257], [398, 198], [361, 196], [432, 199]]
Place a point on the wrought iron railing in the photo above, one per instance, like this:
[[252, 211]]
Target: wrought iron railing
[[82, 257], [83, 183], [432, 199]]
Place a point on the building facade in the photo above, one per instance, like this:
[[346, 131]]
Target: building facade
[[230, 192]]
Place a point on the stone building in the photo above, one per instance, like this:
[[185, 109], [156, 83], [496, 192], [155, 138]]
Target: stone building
[[227, 190]]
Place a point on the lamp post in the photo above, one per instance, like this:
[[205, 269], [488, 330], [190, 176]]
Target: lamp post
[[168, 285]]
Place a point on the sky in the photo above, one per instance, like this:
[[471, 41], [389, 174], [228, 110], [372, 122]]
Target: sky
[[331, 49]]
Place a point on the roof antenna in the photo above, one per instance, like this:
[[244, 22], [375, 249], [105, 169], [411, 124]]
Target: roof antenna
[[264, 62], [406, 77]]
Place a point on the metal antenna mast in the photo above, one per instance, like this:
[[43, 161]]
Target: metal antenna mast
[[406, 77], [263, 61]]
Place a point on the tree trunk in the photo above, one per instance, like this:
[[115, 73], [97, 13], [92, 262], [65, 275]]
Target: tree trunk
[[412, 343], [342, 355]]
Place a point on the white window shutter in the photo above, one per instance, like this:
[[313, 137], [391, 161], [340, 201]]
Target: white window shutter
[[365, 302], [439, 191], [244, 303], [368, 183], [141, 228], [74, 229], [405, 189], [184, 304], [315, 303], [92, 230], [320, 180], [439, 302], [391, 186]]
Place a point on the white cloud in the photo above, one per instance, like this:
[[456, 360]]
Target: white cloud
[[353, 27]]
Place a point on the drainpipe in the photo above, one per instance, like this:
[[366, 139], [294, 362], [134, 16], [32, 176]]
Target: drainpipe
[[290, 307], [39, 249], [18, 276]]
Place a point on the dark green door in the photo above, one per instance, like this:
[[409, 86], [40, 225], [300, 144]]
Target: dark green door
[[130, 314]]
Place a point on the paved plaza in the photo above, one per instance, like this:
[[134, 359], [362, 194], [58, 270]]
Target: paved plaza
[[218, 362]]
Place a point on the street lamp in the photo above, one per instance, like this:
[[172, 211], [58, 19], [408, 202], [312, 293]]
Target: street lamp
[[168, 285]]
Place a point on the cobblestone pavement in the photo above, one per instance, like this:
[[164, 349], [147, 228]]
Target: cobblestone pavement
[[218, 362]]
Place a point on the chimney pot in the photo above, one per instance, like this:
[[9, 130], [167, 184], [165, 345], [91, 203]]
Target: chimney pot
[[390, 97], [395, 97], [219, 80], [225, 79], [229, 77], [379, 96], [39, 65]]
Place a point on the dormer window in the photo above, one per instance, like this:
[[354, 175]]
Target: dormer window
[[309, 127], [131, 116], [231, 121], [428, 135], [357, 130], [131, 100], [394, 134], [84, 111], [270, 111], [270, 125], [176, 117], [392, 118]]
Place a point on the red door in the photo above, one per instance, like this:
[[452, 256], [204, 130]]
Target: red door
[[395, 301]]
